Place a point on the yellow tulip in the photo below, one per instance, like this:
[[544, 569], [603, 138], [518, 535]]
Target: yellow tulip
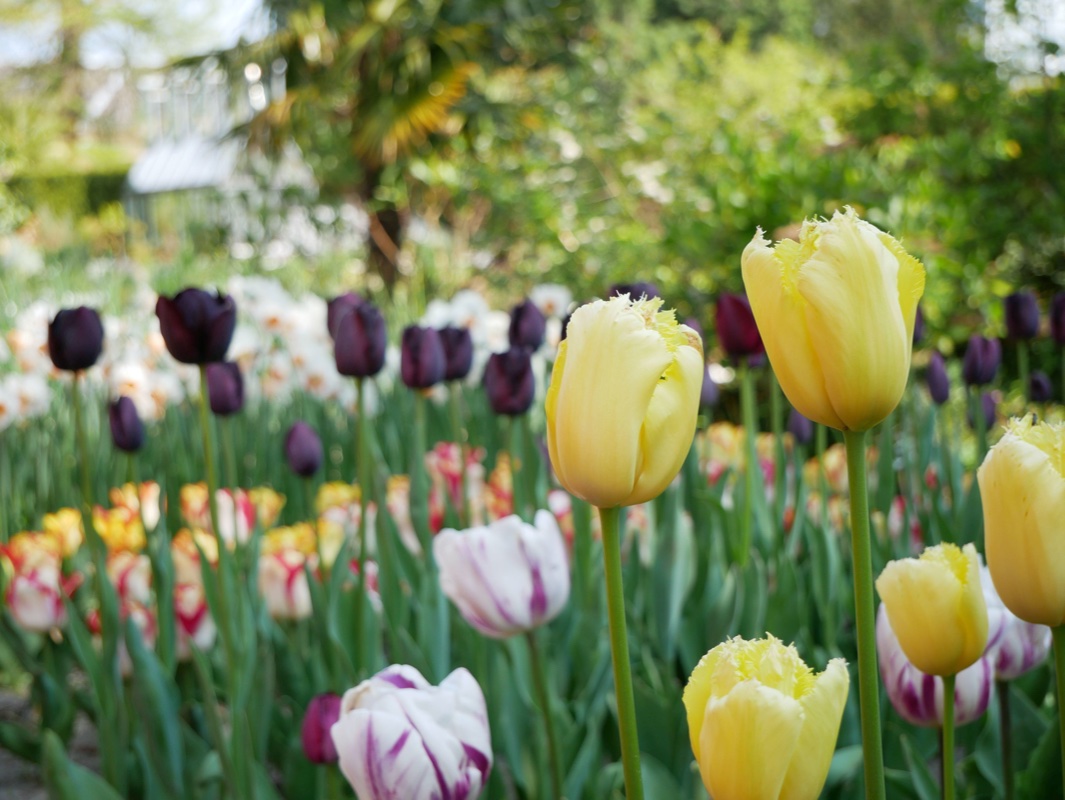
[[936, 607], [1022, 486], [623, 401], [763, 726], [836, 312]]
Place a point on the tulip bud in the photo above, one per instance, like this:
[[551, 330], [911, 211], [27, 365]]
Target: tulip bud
[[359, 339], [761, 723], [710, 395], [422, 361], [736, 328], [1022, 315], [937, 380], [936, 608], [918, 325], [918, 696], [507, 578], [988, 408], [283, 583], [400, 737], [127, 430], [75, 338], [800, 427], [1057, 318], [981, 360], [527, 326], [1040, 390], [322, 713], [303, 449], [197, 326], [635, 291], [509, 382], [458, 352], [1022, 488], [338, 307], [1020, 646], [836, 312], [225, 388], [623, 401]]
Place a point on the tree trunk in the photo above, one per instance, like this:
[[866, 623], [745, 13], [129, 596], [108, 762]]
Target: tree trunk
[[387, 224]]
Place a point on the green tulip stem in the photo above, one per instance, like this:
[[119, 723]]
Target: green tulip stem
[[1022, 366], [362, 452], [619, 651], [976, 406], [229, 453], [83, 450], [948, 737], [750, 432], [1059, 669], [208, 455], [333, 789], [1002, 689], [543, 699], [865, 620], [459, 433], [131, 472], [776, 420]]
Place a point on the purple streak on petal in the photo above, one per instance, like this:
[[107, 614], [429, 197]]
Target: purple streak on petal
[[477, 561], [479, 759], [396, 679], [538, 601]]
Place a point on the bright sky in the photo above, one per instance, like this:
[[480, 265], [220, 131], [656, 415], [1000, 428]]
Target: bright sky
[[108, 46]]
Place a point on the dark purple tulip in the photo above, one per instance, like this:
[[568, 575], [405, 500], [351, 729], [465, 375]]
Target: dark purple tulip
[[982, 357], [359, 341], [422, 362], [303, 449], [918, 325], [1040, 390], [225, 388], [634, 290], [458, 352], [710, 395], [127, 430], [527, 326], [509, 381], [1022, 315], [989, 408], [1057, 318], [75, 338], [322, 712], [800, 427], [937, 380], [736, 328], [197, 326], [338, 306]]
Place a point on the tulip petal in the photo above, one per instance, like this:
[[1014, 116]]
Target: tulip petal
[[664, 437], [1023, 494], [739, 731], [852, 313], [782, 324], [613, 363], [823, 712]]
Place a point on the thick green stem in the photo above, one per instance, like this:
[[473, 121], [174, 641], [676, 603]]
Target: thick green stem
[[459, 434], [333, 789], [750, 432], [948, 737], [776, 421], [83, 450], [976, 408], [1059, 669], [619, 651], [1022, 366], [543, 699], [1002, 689], [365, 488], [208, 454], [865, 621], [229, 453]]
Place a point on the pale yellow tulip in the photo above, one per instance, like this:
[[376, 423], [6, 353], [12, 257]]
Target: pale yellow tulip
[[623, 401], [1022, 487], [936, 607], [836, 312], [763, 726]]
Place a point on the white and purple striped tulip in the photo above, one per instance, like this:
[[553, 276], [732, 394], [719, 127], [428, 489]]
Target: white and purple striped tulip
[[508, 577], [918, 696], [401, 738], [1022, 646]]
